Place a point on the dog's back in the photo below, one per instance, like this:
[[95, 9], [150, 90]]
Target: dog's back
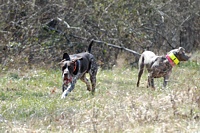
[[146, 58]]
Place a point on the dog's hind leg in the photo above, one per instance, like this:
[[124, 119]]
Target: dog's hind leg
[[93, 73], [141, 69], [85, 80], [93, 82]]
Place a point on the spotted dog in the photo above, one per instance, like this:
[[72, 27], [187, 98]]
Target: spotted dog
[[160, 66], [75, 67]]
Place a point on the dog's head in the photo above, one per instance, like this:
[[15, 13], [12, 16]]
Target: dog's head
[[68, 67], [180, 54]]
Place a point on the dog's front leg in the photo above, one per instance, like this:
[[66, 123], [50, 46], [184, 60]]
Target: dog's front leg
[[69, 89], [166, 79], [152, 83], [165, 82], [64, 87]]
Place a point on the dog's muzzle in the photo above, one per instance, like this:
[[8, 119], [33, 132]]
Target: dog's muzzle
[[67, 79]]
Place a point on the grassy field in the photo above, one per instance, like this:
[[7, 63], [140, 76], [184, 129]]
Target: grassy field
[[30, 101]]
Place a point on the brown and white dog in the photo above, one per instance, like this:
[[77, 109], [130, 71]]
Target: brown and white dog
[[75, 67], [160, 66]]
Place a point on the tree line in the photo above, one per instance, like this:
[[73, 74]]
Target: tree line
[[38, 32]]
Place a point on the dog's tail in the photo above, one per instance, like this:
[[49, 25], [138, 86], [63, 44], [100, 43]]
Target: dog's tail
[[90, 46]]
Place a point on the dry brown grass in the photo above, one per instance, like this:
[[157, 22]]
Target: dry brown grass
[[30, 102]]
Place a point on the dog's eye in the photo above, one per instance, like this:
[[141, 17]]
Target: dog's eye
[[69, 68], [64, 67]]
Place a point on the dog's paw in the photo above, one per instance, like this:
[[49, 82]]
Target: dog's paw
[[63, 97], [88, 88]]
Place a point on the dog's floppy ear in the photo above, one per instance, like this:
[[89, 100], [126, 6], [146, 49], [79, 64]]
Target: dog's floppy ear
[[66, 56], [77, 58]]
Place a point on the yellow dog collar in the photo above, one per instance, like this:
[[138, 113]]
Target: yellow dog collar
[[173, 58]]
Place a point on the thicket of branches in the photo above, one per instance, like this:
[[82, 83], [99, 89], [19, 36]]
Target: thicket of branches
[[39, 31]]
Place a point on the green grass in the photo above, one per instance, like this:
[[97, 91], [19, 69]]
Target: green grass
[[30, 101]]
